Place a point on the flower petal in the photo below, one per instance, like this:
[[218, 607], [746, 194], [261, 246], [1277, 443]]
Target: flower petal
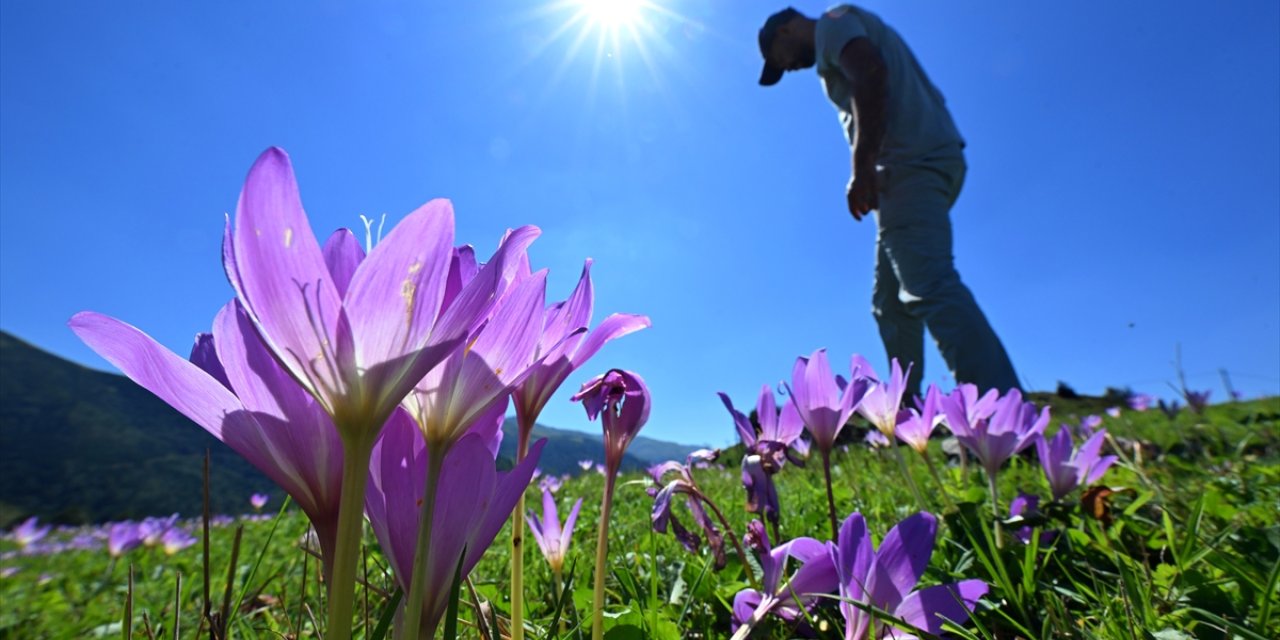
[[901, 560], [284, 281], [927, 609], [342, 254]]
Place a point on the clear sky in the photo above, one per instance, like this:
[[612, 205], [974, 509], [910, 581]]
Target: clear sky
[[1123, 193]]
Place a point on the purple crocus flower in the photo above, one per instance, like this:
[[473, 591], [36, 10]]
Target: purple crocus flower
[[123, 537], [779, 438], [816, 575], [474, 382], [823, 403], [886, 579], [29, 532], [876, 440], [683, 483], [1140, 401], [586, 465], [563, 346], [916, 425], [1067, 468], [234, 388], [473, 504], [883, 399], [357, 332], [176, 539], [151, 530], [553, 539], [259, 500], [1012, 426], [623, 399]]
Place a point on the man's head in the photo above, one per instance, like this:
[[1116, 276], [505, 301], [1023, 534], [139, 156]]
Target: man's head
[[786, 42]]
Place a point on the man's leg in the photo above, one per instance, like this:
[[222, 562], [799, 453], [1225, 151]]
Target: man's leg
[[901, 331], [915, 234]]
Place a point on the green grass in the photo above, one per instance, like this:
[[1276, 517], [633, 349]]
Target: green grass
[[1189, 548]]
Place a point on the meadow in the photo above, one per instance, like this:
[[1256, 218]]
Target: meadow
[[1178, 539]]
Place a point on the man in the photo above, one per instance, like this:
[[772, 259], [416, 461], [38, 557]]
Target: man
[[908, 166]]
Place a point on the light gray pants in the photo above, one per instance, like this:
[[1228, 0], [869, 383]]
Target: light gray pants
[[917, 285]]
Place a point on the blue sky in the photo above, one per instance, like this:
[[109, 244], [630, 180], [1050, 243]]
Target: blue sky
[[1123, 194]]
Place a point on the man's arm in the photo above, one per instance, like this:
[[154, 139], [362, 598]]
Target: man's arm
[[864, 68]]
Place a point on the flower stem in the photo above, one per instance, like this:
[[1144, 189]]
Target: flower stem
[[559, 580], [737, 543], [831, 498], [911, 482], [421, 551], [942, 488], [995, 509], [602, 552], [342, 587], [517, 545]]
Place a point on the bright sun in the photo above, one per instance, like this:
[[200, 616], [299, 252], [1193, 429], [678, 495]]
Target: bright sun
[[613, 13]]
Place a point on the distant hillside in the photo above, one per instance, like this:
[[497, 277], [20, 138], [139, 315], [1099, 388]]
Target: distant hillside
[[78, 445]]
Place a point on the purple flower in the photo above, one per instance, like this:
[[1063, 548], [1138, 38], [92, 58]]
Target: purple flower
[[916, 425], [1012, 426], [624, 400], [357, 332], [152, 529], [586, 465], [8, 572], [176, 539], [235, 389], [474, 383], [259, 500], [29, 532], [1140, 401], [886, 579], [876, 440], [684, 484], [823, 403], [550, 483], [1066, 467], [883, 399], [1197, 400], [473, 503], [551, 537], [122, 538], [1027, 506], [1114, 412], [563, 346], [816, 575], [779, 438], [762, 494]]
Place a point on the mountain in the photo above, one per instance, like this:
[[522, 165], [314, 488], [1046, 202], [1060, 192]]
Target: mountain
[[79, 445]]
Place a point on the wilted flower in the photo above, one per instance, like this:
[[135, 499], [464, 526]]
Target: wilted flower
[[623, 399], [258, 500], [683, 483], [29, 532], [1027, 506], [1067, 468], [886, 579], [553, 539], [762, 494]]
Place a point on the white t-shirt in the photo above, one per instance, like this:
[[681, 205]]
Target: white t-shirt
[[917, 122]]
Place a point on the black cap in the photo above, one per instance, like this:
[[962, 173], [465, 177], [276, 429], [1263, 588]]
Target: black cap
[[770, 75]]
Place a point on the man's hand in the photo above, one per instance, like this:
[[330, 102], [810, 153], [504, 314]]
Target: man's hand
[[863, 194]]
